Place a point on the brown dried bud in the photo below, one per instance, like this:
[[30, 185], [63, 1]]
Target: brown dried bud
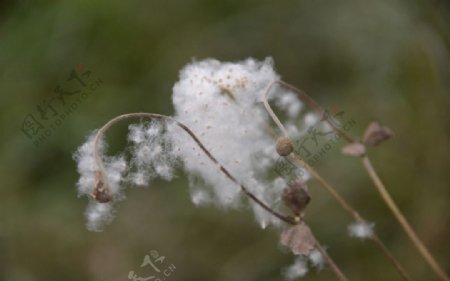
[[376, 134], [299, 239], [101, 191], [296, 197], [354, 149], [284, 146]]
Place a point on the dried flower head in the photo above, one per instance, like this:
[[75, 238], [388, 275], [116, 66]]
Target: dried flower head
[[376, 134]]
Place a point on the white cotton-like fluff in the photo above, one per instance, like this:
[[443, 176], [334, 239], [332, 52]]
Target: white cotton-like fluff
[[115, 168], [316, 258], [86, 165], [296, 270], [150, 156], [200, 197], [98, 214], [222, 104], [290, 103], [362, 230], [151, 153], [300, 266], [311, 119]]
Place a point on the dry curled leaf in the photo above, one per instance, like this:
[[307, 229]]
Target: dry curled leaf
[[376, 134], [296, 197], [354, 149], [299, 239]]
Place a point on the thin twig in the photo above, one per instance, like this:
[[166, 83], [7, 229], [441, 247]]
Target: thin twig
[[402, 220], [352, 212], [314, 105], [270, 111], [331, 263]]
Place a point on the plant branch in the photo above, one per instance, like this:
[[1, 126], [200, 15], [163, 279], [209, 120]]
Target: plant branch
[[314, 105], [340, 276], [286, 219], [327, 186], [270, 111], [248, 193], [402, 220]]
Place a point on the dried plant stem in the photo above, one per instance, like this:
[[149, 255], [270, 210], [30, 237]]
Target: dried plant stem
[[287, 219], [152, 116], [352, 212], [311, 103], [402, 220], [331, 263], [270, 111], [378, 184], [328, 187]]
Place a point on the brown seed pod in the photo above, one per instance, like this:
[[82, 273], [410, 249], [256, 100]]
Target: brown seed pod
[[284, 146], [296, 197], [299, 239], [376, 134], [101, 192]]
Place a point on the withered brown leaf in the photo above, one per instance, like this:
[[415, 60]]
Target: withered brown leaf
[[299, 239], [376, 134]]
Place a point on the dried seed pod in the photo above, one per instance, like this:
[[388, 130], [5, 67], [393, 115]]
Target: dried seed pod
[[299, 239], [284, 146], [296, 197], [376, 134], [101, 191]]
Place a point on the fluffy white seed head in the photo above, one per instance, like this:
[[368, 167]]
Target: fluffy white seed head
[[150, 156], [316, 258], [300, 266], [362, 230], [296, 270], [151, 153], [98, 214], [221, 103]]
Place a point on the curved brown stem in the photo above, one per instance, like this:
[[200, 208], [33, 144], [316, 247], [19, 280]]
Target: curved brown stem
[[248, 193], [287, 219], [314, 105]]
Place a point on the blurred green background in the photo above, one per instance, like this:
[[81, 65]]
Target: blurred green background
[[385, 60]]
